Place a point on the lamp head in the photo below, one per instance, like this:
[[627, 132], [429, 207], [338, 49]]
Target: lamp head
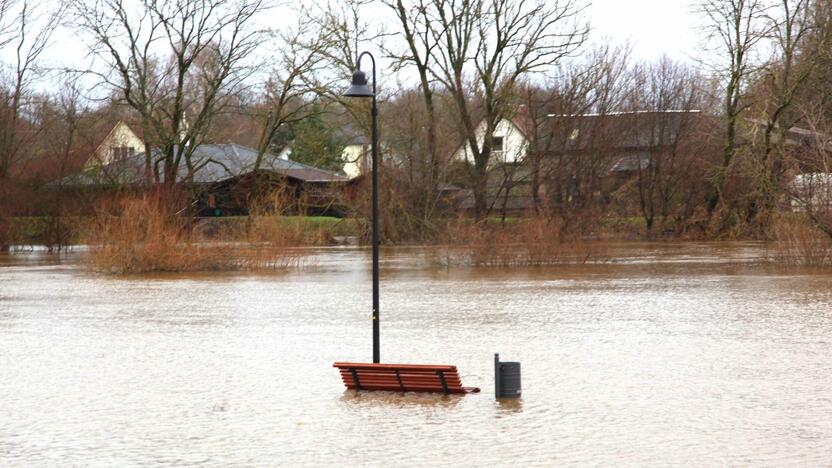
[[359, 87]]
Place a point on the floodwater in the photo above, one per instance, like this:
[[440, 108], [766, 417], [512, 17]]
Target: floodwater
[[675, 353]]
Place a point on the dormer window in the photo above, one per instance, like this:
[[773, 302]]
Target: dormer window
[[121, 153], [497, 144]]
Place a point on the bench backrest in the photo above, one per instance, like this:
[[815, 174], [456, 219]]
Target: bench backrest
[[401, 377]]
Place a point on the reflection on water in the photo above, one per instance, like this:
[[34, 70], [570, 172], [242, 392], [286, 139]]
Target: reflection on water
[[508, 406], [357, 401], [674, 353]]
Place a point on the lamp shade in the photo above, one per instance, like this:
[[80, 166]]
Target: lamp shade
[[359, 86]]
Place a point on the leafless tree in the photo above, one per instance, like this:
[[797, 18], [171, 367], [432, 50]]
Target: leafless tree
[[570, 134], [666, 100], [810, 191], [296, 79], [736, 27], [27, 27], [799, 40], [487, 46], [176, 64], [419, 51], [64, 125], [7, 20], [345, 32]]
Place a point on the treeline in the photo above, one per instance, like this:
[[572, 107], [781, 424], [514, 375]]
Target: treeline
[[709, 148]]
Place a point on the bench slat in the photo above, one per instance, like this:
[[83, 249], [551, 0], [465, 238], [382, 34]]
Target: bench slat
[[399, 377], [448, 378], [364, 365], [404, 375]]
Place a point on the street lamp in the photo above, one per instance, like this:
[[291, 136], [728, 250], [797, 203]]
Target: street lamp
[[359, 89]]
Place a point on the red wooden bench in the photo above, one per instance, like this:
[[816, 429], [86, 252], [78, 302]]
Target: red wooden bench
[[402, 377]]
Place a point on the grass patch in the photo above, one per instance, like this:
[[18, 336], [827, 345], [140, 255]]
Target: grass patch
[[305, 226]]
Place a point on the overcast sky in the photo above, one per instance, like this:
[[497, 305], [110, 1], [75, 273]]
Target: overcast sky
[[652, 27]]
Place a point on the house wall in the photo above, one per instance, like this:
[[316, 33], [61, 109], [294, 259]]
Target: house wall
[[356, 160], [811, 190], [514, 144], [119, 136], [285, 153]]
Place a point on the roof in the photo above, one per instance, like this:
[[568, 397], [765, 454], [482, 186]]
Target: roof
[[215, 163], [620, 130], [610, 130]]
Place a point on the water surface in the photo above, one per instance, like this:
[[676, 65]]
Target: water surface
[[676, 353]]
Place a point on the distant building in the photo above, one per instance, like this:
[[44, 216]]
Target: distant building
[[812, 192], [119, 144], [357, 151], [225, 181], [620, 144], [356, 157], [509, 144]]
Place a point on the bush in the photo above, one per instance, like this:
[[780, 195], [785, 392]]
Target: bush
[[530, 241], [147, 236], [798, 242]]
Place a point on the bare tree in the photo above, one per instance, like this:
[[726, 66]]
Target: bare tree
[[799, 40], [294, 82], [7, 21], [64, 126], [810, 191], [504, 40], [666, 100], [176, 64], [344, 33], [736, 27], [570, 133], [28, 27], [419, 51]]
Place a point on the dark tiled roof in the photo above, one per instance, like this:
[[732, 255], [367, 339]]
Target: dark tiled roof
[[618, 130], [214, 163]]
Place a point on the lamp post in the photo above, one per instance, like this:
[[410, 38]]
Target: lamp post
[[359, 88]]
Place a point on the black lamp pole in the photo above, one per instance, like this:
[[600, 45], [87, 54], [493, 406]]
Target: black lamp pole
[[359, 88]]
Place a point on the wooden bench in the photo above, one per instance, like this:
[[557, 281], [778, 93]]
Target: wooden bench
[[402, 377]]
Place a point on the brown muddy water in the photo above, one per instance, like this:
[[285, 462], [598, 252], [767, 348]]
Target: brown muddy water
[[677, 353]]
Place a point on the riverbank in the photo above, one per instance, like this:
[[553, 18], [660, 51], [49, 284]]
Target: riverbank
[[144, 241]]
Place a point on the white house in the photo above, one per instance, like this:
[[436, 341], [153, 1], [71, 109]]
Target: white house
[[121, 143], [812, 191], [285, 153], [356, 159], [509, 144]]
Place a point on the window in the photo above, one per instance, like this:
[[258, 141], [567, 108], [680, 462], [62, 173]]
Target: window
[[120, 153], [497, 144]]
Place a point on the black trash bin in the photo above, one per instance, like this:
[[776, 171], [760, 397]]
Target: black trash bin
[[506, 379]]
